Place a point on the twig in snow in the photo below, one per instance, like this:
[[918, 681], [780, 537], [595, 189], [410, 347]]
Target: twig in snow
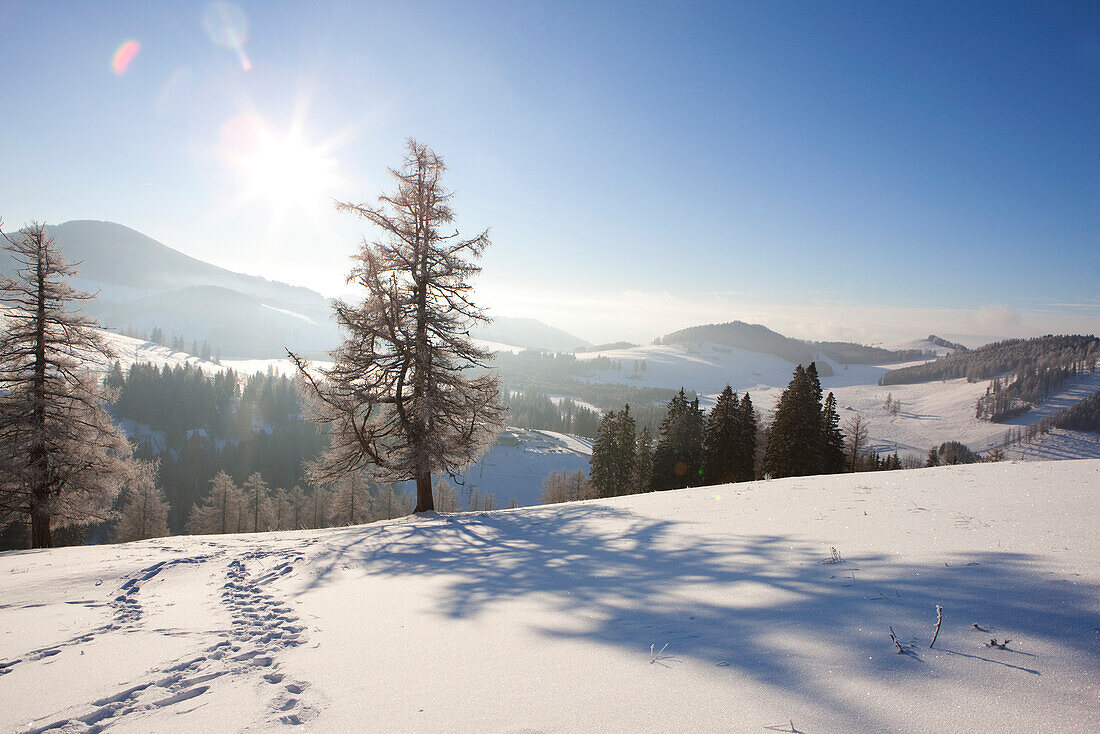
[[980, 629], [656, 658], [939, 621], [999, 645]]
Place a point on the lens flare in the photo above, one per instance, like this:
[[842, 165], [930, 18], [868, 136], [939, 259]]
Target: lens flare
[[282, 168], [124, 54], [227, 26]]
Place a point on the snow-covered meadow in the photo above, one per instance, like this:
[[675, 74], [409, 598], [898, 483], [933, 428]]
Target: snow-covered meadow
[[753, 607]]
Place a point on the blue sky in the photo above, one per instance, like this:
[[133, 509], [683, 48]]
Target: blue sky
[[860, 170]]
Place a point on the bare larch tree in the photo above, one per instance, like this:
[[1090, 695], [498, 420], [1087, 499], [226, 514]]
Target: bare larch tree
[[409, 394], [62, 460]]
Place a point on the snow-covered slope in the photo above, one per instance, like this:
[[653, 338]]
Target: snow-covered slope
[[129, 351], [931, 413], [757, 607], [519, 461]]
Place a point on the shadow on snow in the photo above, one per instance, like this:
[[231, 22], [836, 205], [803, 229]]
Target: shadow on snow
[[770, 607]]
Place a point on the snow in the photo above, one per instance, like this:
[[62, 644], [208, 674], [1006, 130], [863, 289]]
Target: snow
[[932, 412], [287, 312], [497, 346], [516, 465], [129, 351], [711, 609]]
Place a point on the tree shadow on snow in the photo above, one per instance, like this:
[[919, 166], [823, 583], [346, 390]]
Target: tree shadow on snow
[[770, 607]]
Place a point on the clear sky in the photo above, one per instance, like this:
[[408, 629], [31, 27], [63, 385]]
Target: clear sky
[[830, 169]]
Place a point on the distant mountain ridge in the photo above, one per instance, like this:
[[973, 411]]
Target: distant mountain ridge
[[142, 284], [761, 339], [529, 334]]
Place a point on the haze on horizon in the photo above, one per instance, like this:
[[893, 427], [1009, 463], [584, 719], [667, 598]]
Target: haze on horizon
[[857, 171]]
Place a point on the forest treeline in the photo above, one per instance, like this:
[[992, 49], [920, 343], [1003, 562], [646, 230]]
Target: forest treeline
[[731, 443], [997, 359]]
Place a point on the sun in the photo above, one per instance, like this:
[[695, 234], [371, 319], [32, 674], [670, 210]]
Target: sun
[[282, 169]]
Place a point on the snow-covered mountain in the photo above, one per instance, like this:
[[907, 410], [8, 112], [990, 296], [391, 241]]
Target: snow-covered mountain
[[767, 606], [144, 284], [529, 334]]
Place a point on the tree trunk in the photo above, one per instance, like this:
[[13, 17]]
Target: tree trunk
[[40, 518], [424, 500], [40, 530]]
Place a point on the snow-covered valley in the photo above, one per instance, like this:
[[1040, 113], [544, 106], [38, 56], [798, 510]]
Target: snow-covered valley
[[752, 607]]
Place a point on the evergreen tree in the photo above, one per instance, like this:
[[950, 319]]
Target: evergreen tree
[[144, 513], [62, 460], [832, 437], [796, 446], [745, 464], [677, 460], [400, 396], [643, 461], [612, 462], [721, 439]]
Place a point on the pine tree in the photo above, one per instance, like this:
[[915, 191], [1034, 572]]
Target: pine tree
[[833, 439], [796, 446], [220, 513], [677, 460], [745, 465], [144, 512], [721, 439], [612, 462], [643, 462], [400, 397], [62, 460]]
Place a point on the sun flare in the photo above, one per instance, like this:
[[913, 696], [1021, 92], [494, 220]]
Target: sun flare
[[284, 170]]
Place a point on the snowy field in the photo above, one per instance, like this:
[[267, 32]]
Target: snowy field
[[720, 609], [517, 464], [931, 413]]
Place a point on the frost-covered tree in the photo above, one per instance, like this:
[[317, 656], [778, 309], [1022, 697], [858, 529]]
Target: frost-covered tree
[[351, 503], [561, 487], [389, 504], [144, 511], [221, 511], [62, 460], [402, 396], [448, 498], [857, 436], [280, 509], [257, 504], [320, 500], [296, 508]]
